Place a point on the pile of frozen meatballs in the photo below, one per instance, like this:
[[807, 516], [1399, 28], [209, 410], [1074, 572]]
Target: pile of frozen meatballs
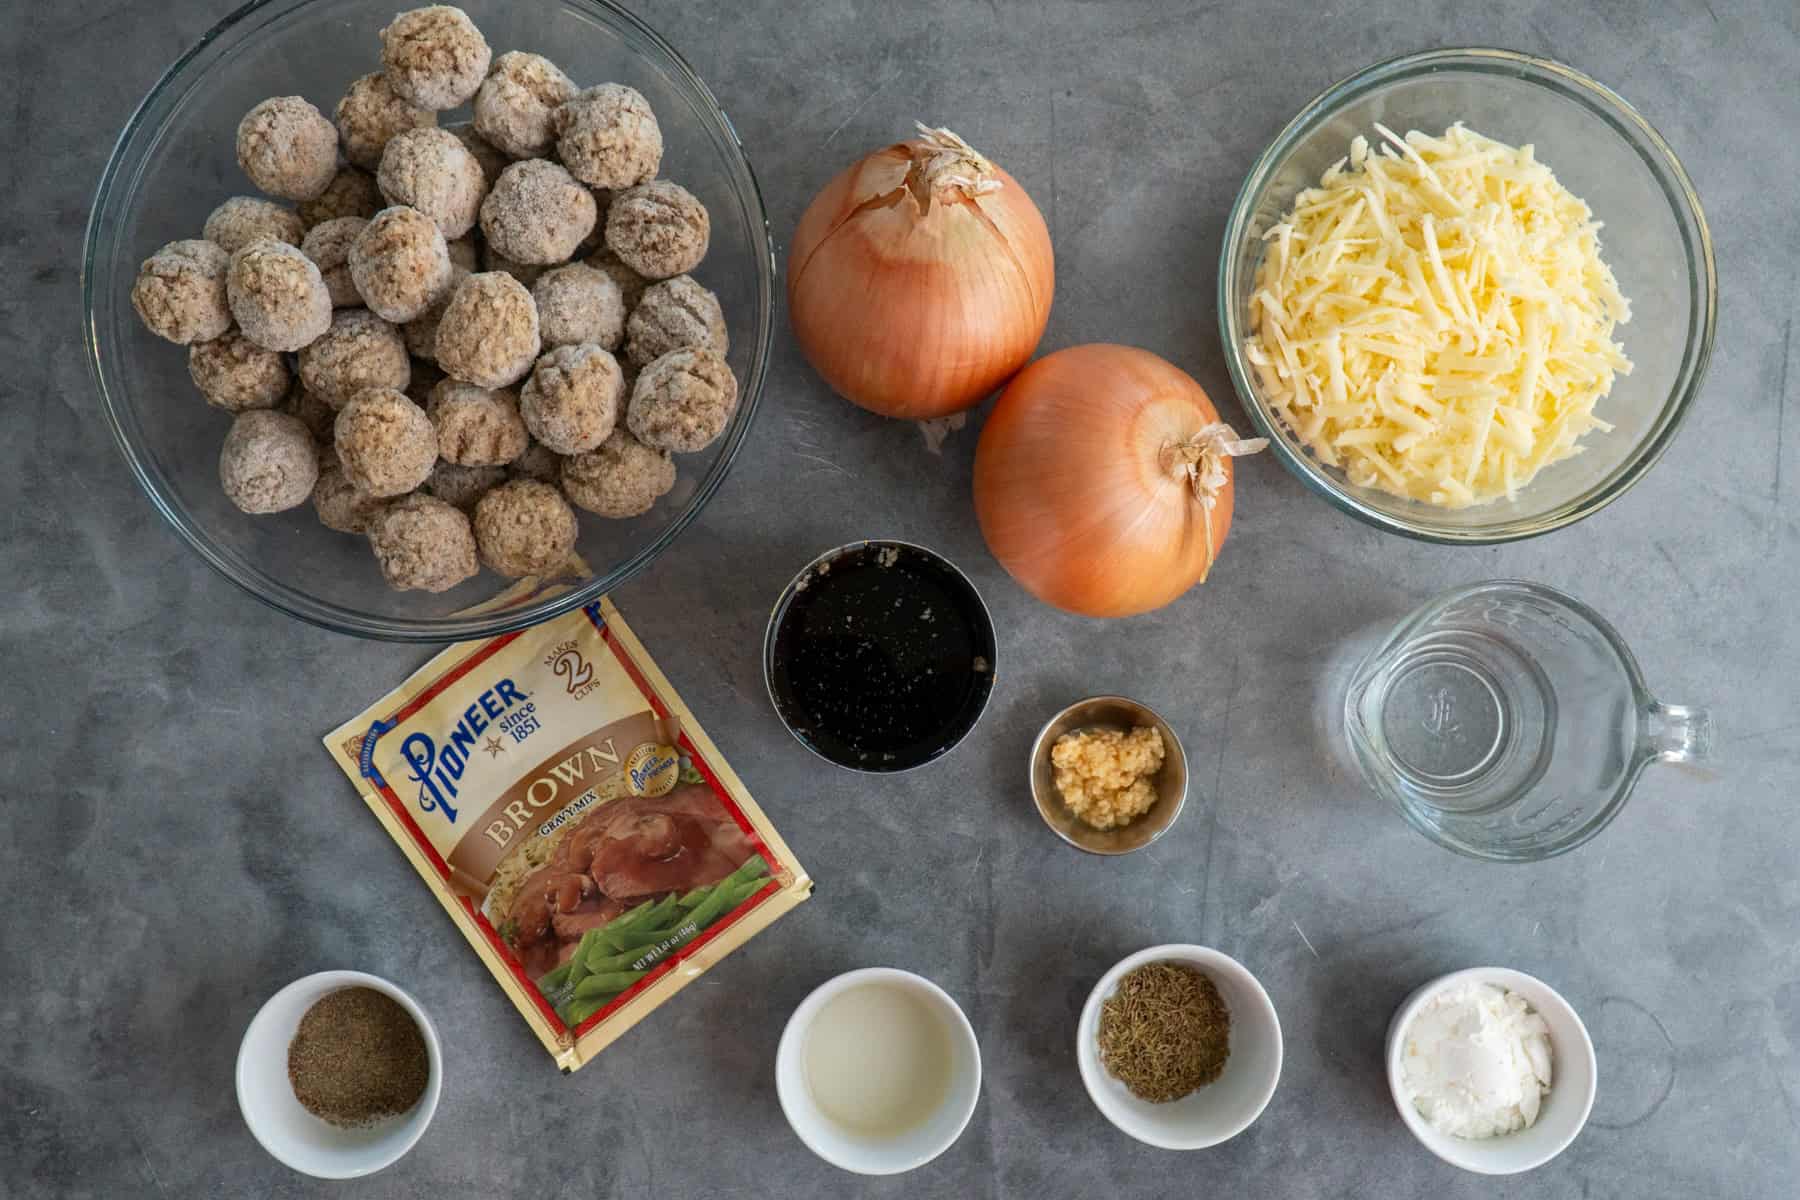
[[454, 337]]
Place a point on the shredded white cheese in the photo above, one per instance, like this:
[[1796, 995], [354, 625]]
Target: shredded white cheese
[[1435, 319]]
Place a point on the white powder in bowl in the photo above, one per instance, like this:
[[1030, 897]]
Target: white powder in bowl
[[1476, 1061]]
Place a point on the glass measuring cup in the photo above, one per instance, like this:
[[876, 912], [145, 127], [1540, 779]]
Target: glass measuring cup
[[1507, 721]]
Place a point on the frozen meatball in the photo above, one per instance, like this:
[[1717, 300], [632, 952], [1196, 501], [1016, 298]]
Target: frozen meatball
[[476, 427], [312, 412], [524, 528], [658, 229], [526, 273], [268, 463], [277, 295], [328, 245], [576, 303], [491, 159], [434, 56], [571, 402], [287, 148], [488, 334], [623, 478], [243, 219], [463, 486], [516, 103], [400, 263], [351, 193], [631, 284], [385, 442], [683, 400], [180, 293], [360, 351], [465, 256], [371, 115], [421, 331], [236, 374], [537, 213], [539, 462], [342, 505], [674, 314], [421, 542], [431, 170], [608, 137]]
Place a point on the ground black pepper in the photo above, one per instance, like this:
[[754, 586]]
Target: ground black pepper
[[357, 1057]]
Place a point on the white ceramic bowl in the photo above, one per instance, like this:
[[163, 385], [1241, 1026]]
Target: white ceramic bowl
[[1572, 1072], [293, 1135], [846, 1148], [1223, 1108]]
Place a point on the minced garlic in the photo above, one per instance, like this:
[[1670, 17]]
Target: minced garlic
[[1105, 775]]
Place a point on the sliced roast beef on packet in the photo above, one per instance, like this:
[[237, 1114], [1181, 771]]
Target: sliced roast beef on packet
[[574, 819]]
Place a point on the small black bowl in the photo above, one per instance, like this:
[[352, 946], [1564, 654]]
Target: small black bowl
[[879, 656]]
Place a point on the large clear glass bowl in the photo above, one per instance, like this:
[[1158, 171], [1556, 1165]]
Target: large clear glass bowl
[[1655, 239], [175, 161]]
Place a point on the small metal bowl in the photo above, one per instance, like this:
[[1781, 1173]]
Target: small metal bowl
[[1109, 712], [898, 637]]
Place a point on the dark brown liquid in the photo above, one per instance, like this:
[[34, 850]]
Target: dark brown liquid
[[883, 659]]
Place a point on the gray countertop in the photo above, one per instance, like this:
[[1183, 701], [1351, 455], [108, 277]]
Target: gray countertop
[[163, 781]]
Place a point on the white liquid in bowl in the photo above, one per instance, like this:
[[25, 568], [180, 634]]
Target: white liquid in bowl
[[878, 1060]]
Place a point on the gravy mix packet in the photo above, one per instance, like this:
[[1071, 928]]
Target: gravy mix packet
[[574, 819]]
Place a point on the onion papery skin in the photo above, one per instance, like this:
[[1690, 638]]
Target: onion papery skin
[[1074, 489], [917, 310]]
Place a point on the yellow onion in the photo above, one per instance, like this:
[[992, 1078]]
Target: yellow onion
[[920, 279], [1103, 481]]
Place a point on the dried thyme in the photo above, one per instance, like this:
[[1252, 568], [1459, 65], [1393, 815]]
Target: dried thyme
[[1165, 1032]]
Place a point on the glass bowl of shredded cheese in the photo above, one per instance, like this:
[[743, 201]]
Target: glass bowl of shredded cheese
[[1468, 295]]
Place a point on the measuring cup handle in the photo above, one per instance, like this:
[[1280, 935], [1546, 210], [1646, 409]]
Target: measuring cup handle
[[1676, 733]]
